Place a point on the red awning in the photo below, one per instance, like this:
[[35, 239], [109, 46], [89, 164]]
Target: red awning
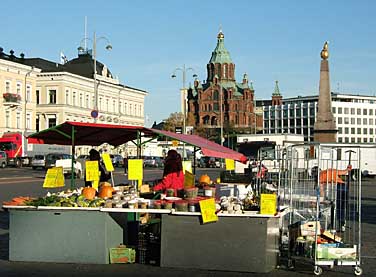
[[208, 147], [93, 134]]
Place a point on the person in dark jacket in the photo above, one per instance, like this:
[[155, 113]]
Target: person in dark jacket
[[104, 175]]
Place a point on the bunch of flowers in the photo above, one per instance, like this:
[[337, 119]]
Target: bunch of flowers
[[11, 97]]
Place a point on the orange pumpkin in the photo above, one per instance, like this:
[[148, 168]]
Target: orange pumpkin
[[106, 192], [204, 179], [89, 193]]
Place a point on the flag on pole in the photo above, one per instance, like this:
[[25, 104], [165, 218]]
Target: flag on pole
[[63, 58]]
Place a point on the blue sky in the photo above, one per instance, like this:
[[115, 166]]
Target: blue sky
[[268, 40]]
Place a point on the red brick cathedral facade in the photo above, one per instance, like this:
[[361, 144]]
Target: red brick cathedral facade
[[221, 89]]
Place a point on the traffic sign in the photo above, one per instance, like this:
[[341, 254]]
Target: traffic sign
[[94, 113]]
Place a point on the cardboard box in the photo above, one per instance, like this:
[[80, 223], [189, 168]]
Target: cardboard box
[[309, 228], [331, 236], [122, 255]]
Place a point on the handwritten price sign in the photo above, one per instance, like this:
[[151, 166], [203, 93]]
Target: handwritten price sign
[[208, 210]]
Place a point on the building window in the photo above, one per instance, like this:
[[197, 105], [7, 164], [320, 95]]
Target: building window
[[352, 110], [371, 131], [18, 88], [346, 110], [364, 139], [370, 112], [74, 99], [37, 95], [51, 122], [370, 121], [7, 87], [216, 107], [215, 95], [352, 140], [37, 124], [340, 130], [347, 140], [28, 121], [365, 111], [81, 100], [364, 121], [339, 110], [334, 109], [67, 97], [353, 131], [358, 111], [52, 96], [340, 139], [359, 140], [359, 131], [87, 101], [347, 121], [28, 93], [353, 121], [339, 120], [346, 130], [18, 121], [7, 119], [359, 121], [364, 131]]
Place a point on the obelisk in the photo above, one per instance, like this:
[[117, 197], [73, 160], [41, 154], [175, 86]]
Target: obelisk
[[325, 129]]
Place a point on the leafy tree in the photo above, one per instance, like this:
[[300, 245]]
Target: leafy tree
[[174, 120]]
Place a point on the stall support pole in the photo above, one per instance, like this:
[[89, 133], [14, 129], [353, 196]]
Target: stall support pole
[[72, 165]]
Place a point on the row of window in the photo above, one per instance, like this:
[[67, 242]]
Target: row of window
[[358, 131], [352, 120], [353, 140], [103, 104], [18, 90], [8, 120], [353, 111]]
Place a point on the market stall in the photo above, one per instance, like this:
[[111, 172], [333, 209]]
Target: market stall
[[216, 223]]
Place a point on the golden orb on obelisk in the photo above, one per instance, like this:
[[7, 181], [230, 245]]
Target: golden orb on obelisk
[[325, 51]]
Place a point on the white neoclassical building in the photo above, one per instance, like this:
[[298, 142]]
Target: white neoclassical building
[[56, 93]]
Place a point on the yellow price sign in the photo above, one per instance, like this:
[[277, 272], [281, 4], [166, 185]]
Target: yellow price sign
[[54, 178], [135, 169], [230, 164], [175, 143], [189, 180], [92, 171], [107, 162], [207, 208], [187, 166], [268, 204]]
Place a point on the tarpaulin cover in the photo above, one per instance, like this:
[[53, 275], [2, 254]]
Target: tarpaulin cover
[[208, 147], [93, 134]]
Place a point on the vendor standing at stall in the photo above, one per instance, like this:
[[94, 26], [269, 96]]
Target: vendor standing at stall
[[173, 176], [104, 175]]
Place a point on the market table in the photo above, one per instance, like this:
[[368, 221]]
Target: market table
[[236, 242]]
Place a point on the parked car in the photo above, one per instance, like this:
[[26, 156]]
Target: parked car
[[153, 161], [209, 162], [117, 160], [64, 160], [3, 159], [38, 161]]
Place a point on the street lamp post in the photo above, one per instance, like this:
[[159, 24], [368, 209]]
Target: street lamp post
[[25, 112], [184, 71], [221, 111], [108, 47]]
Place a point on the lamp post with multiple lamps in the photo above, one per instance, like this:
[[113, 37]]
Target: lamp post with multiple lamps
[[184, 71], [94, 112]]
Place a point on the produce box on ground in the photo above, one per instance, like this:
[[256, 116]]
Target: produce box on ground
[[122, 255]]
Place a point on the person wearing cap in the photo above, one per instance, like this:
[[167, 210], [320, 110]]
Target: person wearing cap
[[104, 175], [173, 176]]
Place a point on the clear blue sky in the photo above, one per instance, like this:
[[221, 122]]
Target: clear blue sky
[[268, 40]]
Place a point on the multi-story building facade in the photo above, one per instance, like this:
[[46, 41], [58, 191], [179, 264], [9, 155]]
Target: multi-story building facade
[[221, 95], [65, 92], [355, 117], [18, 100]]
